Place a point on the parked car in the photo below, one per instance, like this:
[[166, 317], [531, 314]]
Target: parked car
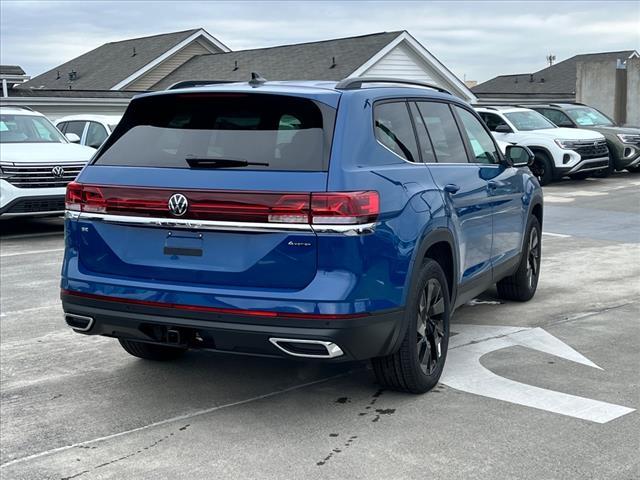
[[207, 221], [36, 163], [558, 151], [92, 130], [623, 142]]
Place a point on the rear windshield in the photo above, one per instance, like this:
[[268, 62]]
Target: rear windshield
[[228, 130]]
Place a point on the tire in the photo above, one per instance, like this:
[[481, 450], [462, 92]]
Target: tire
[[635, 169], [542, 168], [522, 285], [151, 351], [417, 365]]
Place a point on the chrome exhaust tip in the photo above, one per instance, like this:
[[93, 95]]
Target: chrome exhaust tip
[[79, 323], [297, 347]]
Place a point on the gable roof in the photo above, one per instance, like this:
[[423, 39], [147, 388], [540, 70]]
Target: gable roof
[[11, 70], [301, 61], [558, 79], [106, 66]]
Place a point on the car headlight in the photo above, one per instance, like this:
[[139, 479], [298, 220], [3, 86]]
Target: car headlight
[[566, 144], [629, 137]]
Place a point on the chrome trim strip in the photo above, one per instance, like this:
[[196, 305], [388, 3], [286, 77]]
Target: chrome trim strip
[[333, 350], [35, 213], [221, 226]]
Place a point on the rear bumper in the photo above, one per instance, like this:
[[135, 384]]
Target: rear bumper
[[358, 338]]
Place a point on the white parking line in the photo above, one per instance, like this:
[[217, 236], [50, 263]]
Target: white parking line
[[31, 252], [30, 309], [178, 418], [32, 235], [559, 235]]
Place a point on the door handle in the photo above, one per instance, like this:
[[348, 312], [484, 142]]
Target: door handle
[[451, 188]]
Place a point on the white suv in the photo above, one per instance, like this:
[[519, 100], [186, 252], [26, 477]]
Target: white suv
[[559, 151], [93, 130], [36, 163]]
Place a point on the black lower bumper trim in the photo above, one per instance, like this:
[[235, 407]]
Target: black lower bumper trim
[[359, 338], [34, 204]]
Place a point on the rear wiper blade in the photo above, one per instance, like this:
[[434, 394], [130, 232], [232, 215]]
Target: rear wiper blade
[[215, 162]]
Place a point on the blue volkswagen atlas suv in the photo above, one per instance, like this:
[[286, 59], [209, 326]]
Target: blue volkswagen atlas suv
[[315, 220]]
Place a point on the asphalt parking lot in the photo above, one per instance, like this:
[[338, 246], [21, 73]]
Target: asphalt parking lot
[[544, 390]]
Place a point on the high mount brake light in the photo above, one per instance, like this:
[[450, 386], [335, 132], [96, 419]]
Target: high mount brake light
[[334, 208]]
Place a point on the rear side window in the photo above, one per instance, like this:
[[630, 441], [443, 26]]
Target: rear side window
[[443, 132], [394, 130], [482, 146], [272, 132]]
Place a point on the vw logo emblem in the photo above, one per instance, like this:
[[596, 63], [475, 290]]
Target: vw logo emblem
[[57, 172], [178, 204]]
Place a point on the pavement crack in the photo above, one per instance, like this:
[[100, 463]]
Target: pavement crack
[[124, 457]]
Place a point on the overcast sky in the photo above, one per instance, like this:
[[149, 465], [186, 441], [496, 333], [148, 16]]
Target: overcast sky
[[476, 40]]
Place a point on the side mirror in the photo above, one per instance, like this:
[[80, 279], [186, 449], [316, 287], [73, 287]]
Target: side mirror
[[503, 128], [519, 156], [72, 137]]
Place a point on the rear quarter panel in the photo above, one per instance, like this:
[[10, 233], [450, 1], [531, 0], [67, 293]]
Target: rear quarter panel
[[410, 207]]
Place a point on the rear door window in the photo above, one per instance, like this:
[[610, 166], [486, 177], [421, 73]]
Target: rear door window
[[443, 131], [394, 130], [76, 127], [483, 148], [96, 134], [492, 120], [426, 149], [256, 131], [556, 116]]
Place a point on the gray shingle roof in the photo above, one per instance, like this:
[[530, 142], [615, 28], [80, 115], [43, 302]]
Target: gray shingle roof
[[107, 65], [303, 61], [558, 79], [38, 93], [11, 70]]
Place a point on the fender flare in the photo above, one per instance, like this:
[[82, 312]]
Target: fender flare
[[437, 235]]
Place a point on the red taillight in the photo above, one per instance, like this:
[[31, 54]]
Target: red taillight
[[73, 197], [342, 208]]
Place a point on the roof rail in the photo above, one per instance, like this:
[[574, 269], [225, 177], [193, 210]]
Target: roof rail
[[23, 107], [197, 83], [354, 83], [559, 105]]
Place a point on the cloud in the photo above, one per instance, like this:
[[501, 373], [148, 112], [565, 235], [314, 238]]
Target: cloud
[[475, 39]]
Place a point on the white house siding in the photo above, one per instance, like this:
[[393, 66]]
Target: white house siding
[[57, 107], [400, 62], [159, 72]]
